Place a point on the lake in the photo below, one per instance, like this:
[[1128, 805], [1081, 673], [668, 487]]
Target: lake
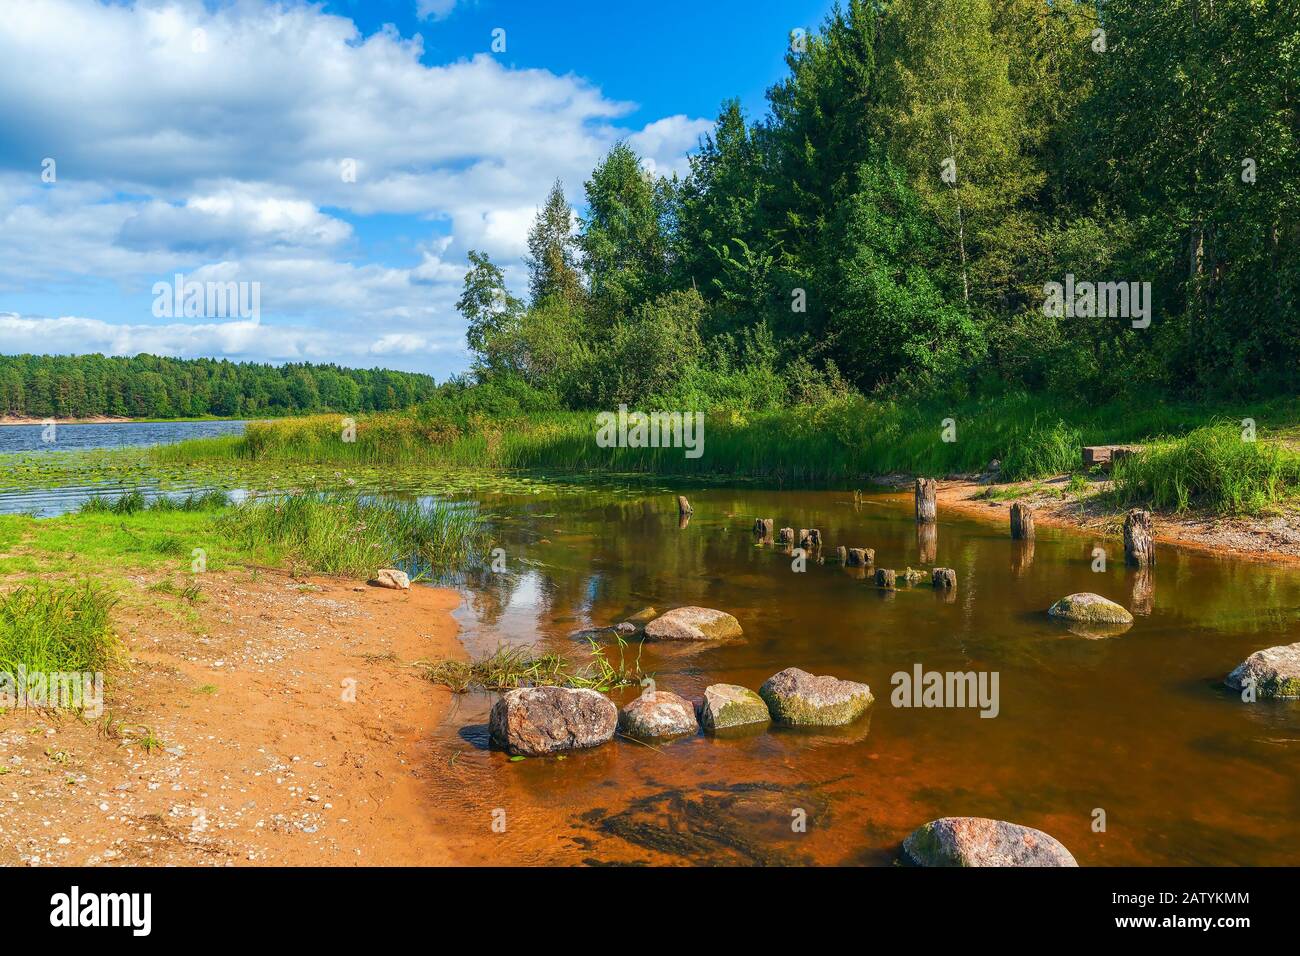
[[110, 435]]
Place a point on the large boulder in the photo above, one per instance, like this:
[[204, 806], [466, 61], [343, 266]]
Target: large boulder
[[797, 697], [658, 713], [535, 721], [693, 624], [730, 705], [1088, 608], [977, 841], [1275, 672]]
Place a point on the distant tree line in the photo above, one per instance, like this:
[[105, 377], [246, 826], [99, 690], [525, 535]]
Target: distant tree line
[[924, 169], [149, 386]]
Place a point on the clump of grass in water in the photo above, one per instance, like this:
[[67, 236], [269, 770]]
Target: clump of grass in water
[[349, 534], [61, 628], [1211, 468], [134, 502], [509, 667]]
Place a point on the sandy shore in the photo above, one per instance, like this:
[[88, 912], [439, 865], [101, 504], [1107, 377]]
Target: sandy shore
[[94, 420], [294, 732], [1273, 538]]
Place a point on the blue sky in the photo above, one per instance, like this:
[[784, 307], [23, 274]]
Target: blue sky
[[143, 139]]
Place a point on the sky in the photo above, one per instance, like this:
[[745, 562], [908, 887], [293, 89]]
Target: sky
[[336, 160]]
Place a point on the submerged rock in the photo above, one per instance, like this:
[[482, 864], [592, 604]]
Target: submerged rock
[[392, 578], [693, 624], [978, 841], [1275, 672], [796, 697], [730, 705], [658, 713], [622, 629], [1090, 609], [641, 618], [535, 721]]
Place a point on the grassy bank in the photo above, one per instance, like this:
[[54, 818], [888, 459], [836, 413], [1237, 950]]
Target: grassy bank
[[840, 444]]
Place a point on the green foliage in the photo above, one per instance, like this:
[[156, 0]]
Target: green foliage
[[350, 534], [57, 628], [1211, 468], [151, 386]]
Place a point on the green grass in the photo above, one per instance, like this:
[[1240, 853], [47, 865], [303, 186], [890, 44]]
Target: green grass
[[1212, 468], [133, 502], [349, 534], [510, 667], [57, 627], [837, 445]]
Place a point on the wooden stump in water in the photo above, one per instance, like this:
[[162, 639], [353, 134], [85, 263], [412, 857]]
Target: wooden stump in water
[[803, 538], [925, 506], [927, 542], [885, 578], [814, 539], [786, 536], [684, 506], [1022, 522], [1139, 548], [944, 578], [763, 527]]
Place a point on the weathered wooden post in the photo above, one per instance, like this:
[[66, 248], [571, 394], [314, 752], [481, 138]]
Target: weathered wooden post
[[763, 528], [944, 578], [803, 538], [684, 506], [925, 506], [1022, 522], [786, 536], [885, 578], [1139, 548], [814, 538], [927, 542]]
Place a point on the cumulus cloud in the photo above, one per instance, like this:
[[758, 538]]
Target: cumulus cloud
[[253, 139]]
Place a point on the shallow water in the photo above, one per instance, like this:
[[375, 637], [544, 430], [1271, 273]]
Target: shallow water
[[1137, 725]]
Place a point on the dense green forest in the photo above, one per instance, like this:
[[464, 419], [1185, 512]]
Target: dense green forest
[[148, 386], [891, 225]]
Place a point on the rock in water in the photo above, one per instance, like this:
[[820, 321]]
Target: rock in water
[[613, 632], [976, 841], [1090, 609], [392, 578], [641, 618], [536, 721], [658, 713], [797, 697], [693, 624], [1274, 670], [730, 705]]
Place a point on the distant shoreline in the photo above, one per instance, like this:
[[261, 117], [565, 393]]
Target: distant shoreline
[[105, 420]]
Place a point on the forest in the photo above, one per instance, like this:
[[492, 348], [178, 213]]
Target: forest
[[149, 386], [927, 177]]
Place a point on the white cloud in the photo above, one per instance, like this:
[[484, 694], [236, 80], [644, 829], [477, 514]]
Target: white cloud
[[434, 9], [227, 156]]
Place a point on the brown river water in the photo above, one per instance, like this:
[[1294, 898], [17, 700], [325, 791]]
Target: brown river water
[[1137, 727]]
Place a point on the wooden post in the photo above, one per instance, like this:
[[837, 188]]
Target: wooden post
[[944, 578], [925, 507], [1022, 522], [803, 538], [814, 538], [684, 506], [1139, 548], [885, 578], [763, 527], [786, 536]]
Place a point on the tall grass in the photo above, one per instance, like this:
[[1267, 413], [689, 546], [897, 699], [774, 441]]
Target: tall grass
[[350, 534], [134, 502], [509, 667], [56, 628], [1211, 468], [836, 444]]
